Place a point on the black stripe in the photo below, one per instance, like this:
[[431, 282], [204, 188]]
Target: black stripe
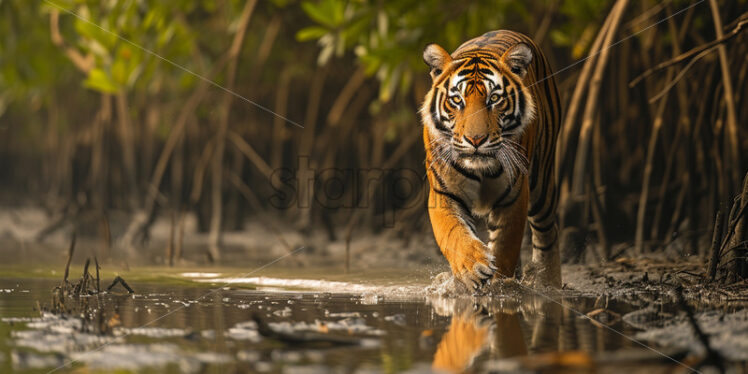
[[533, 171], [542, 215], [513, 126], [544, 192], [470, 225], [493, 65], [504, 194], [434, 116], [548, 212], [542, 228], [438, 177], [456, 199], [545, 248], [464, 172], [508, 203], [459, 82], [533, 181]]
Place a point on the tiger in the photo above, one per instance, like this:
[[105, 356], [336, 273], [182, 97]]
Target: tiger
[[490, 123]]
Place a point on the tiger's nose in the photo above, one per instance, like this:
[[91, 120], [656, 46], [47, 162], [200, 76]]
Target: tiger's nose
[[476, 141]]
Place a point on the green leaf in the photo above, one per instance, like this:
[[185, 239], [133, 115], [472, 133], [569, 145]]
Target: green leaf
[[318, 13], [89, 30], [99, 80], [310, 33]]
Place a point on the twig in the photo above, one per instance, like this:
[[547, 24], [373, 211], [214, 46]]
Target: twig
[[249, 152], [647, 14], [680, 75], [680, 58], [716, 241], [84, 280], [71, 249], [340, 104], [250, 196], [83, 63], [98, 280], [199, 174]]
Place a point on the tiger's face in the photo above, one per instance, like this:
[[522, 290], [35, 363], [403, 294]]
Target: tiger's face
[[478, 108]]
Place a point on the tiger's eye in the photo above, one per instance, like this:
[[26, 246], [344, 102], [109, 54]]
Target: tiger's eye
[[456, 100], [494, 98]]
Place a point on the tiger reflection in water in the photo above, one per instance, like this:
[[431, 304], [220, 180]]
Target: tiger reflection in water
[[493, 328]]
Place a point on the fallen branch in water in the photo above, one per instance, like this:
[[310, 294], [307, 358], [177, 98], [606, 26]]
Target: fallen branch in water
[[121, 281]]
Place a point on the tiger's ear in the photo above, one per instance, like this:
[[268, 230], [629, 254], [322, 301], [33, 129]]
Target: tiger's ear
[[518, 58], [436, 58]]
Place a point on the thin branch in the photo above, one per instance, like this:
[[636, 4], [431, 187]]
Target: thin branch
[[680, 75], [252, 155], [680, 58], [83, 63]]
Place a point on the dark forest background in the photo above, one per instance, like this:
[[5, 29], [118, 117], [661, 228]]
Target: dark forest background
[[163, 108]]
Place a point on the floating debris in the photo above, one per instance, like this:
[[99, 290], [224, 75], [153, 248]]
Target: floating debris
[[301, 337]]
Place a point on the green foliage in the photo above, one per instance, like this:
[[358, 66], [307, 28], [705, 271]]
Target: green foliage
[[117, 35], [42, 91], [580, 33], [388, 37]]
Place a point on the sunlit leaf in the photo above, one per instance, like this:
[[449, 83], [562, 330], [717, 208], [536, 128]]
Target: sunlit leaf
[[310, 33], [99, 80], [319, 12]]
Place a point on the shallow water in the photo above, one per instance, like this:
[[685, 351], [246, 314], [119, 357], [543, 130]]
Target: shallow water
[[387, 328]]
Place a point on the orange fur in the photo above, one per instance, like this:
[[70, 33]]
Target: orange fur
[[490, 125]]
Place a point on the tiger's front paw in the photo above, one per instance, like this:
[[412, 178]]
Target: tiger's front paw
[[473, 265]]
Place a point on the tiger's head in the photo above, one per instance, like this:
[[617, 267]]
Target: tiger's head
[[478, 108]]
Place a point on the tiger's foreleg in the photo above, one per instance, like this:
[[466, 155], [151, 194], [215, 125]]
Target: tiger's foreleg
[[469, 258], [506, 227]]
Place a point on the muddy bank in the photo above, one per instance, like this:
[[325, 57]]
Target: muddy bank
[[30, 235], [26, 239]]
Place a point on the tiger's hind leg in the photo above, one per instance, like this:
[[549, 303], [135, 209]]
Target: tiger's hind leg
[[545, 267]]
